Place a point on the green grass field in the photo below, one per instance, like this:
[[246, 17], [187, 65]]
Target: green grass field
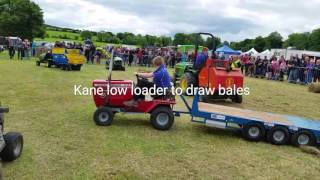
[[62, 141], [54, 36]]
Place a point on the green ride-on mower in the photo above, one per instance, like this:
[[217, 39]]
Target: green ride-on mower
[[118, 64], [180, 70]]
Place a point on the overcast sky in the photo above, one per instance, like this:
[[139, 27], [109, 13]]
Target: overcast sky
[[229, 19]]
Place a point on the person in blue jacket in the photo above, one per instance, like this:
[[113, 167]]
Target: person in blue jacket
[[161, 79], [201, 59]]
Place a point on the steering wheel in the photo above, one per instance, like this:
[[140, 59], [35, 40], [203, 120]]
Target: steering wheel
[[139, 78]]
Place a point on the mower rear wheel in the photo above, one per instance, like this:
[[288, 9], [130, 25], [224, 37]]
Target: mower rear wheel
[[103, 116], [38, 63], [13, 148], [162, 118]]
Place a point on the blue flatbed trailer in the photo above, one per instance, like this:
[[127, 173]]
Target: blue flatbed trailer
[[255, 126]]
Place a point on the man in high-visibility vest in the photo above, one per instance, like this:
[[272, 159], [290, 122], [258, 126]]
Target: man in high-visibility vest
[[235, 62]]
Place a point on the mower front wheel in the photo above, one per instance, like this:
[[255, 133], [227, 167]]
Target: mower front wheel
[[13, 148], [103, 116], [162, 118]]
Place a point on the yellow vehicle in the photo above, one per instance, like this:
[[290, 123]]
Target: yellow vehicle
[[75, 60]]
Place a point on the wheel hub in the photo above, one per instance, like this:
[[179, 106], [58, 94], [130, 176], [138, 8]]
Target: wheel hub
[[17, 148], [278, 136], [254, 131], [103, 117], [162, 119], [303, 139]]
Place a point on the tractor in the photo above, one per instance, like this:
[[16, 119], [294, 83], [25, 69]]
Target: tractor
[[118, 64], [214, 74], [181, 68]]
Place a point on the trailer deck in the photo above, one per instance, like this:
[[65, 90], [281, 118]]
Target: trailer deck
[[296, 128]]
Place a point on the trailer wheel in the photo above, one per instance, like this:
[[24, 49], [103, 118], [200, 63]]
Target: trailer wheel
[[103, 116], [253, 132], [278, 135], [13, 148], [162, 118], [303, 138], [237, 99]]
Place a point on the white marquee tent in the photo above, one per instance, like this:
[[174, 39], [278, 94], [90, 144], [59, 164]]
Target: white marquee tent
[[252, 51], [264, 53]]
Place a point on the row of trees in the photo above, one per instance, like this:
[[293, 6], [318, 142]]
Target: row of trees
[[307, 41], [148, 40], [302, 41]]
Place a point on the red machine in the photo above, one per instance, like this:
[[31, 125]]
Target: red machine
[[116, 92], [218, 73]]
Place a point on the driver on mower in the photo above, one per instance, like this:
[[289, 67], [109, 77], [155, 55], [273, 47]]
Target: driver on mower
[[161, 79]]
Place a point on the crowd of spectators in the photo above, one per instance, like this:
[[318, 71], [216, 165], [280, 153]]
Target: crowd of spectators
[[144, 56], [303, 70], [298, 69], [23, 48]]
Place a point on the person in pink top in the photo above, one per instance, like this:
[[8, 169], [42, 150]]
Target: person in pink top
[[282, 67], [275, 68]]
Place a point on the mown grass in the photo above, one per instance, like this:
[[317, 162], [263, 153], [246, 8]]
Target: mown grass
[[62, 142], [75, 37]]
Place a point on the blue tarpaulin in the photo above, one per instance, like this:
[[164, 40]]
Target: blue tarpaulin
[[227, 50]]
